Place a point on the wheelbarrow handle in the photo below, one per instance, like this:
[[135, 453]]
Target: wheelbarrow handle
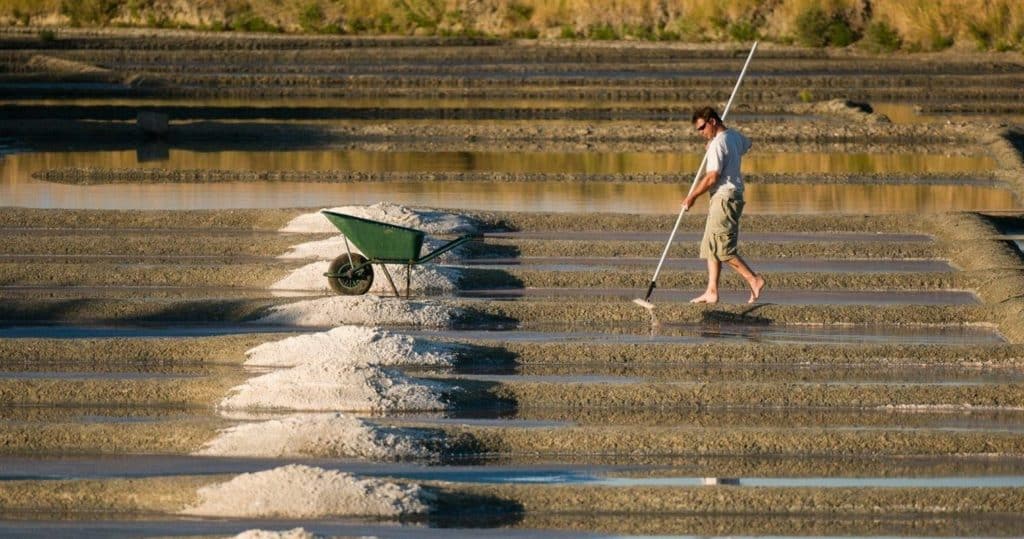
[[447, 247]]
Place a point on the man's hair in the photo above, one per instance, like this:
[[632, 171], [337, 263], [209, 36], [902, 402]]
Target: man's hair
[[706, 113]]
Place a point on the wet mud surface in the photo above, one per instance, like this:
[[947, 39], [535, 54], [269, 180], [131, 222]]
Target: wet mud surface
[[886, 348]]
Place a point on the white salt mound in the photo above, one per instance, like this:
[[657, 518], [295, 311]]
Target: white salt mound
[[425, 278], [322, 249], [431, 222], [318, 435], [361, 310], [333, 387], [350, 345], [296, 533], [297, 491]]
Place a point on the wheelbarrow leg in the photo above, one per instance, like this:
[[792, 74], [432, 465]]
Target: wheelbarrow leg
[[390, 281], [349, 251]]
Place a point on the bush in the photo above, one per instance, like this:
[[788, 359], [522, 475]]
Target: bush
[[385, 23], [92, 12], [982, 34], [426, 14], [568, 32], [640, 32], [839, 33], [940, 42], [311, 18], [23, 17], [805, 96], [247, 21], [520, 12], [603, 31], [742, 31], [814, 28], [880, 37], [667, 35], [47, 36], [519, 33]]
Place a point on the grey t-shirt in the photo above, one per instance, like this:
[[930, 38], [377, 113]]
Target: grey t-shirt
[[724, 153]]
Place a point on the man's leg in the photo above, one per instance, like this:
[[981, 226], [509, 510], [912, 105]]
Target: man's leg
[[754, 281], [711, 294]]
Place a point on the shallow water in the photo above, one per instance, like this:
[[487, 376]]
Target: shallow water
[[538, 196], [685, 236], [739, 297], [17, 188], [905, 113], [553, 263], [21, 165], [997, 474], [624, 332], [63, 331], [694, 333]]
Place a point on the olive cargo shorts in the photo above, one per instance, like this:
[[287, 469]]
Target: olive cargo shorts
[[722, 230]]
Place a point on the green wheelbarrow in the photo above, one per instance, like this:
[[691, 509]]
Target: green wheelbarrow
[[381, 243]]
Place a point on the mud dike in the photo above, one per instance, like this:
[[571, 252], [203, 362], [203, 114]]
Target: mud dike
[[186, 371]]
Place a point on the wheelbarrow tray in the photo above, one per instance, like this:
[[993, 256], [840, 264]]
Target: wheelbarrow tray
[[380, 242]]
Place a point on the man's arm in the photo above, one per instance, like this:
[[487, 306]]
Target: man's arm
[[702, 187]]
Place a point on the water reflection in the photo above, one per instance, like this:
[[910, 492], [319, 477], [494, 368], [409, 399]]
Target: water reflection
[[544, 196], [17, 188], [555, 197], [22, 165]]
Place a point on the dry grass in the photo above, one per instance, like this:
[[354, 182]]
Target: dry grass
[[920, 24], [931, 25]]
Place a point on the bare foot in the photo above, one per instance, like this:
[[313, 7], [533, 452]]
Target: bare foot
[[755, 289], [706, 297]]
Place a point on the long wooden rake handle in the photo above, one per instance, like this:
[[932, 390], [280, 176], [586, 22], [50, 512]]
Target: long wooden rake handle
[[700, 171]]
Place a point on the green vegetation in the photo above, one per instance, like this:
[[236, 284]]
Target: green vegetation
[[742, 31], [880, 37], [423, 14], [520, 11], [311, 18], [815, 28], [47, 35], [247, 21], [90, 12], [602, 32], [873, 25]]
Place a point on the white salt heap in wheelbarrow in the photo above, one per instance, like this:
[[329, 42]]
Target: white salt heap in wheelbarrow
[[330, 248], [295, 491], [362, 310], [320, 435], [431, 222]]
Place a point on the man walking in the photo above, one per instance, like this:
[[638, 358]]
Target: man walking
[[723, 181]]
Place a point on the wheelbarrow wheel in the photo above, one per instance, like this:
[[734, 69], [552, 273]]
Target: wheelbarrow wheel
[[345, 281]]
